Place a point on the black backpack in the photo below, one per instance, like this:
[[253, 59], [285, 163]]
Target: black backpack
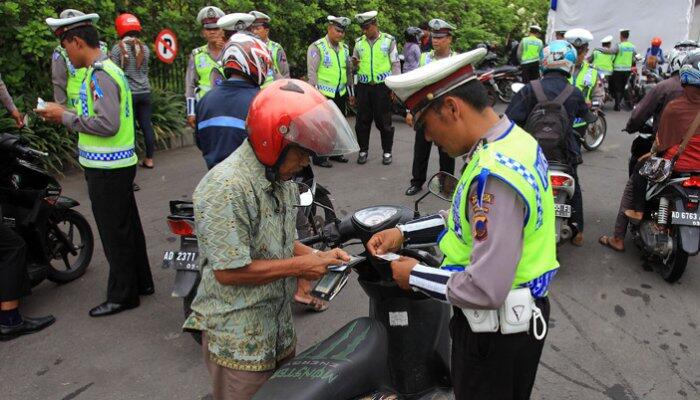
[[549, 123]]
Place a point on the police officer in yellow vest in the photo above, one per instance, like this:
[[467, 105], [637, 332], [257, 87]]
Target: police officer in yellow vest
[[329, 69], [280, 67], [230, 24], [530, 54], [104, 121], [498, 237], [375, 56], [625, 53], [584, 75], [203, 60], [603, 62], [65, 77], [441, 34]]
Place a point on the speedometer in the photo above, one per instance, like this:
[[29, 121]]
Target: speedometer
[[373, 216]]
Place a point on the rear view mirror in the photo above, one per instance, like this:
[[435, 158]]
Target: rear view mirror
[[306, 198], [516, 87], [443, 185]]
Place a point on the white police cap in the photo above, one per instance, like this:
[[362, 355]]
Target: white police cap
[[340, 22], [440, 28], [236, 22], [69, 19], [259, 16], [208, 16], [578, 37], [607, 39], [535, 28], [419, 87], [367, 17]]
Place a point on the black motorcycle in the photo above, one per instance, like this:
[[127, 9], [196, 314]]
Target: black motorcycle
[[400, 350], [185, 261], [59, 239]]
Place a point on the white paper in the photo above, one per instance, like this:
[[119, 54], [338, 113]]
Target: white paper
[[398, 318], [389, 256]]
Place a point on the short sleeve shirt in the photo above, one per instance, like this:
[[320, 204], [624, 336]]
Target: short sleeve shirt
[[240, 216]]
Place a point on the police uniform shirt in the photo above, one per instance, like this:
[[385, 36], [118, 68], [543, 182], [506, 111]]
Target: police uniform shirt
[[496, 251], [282, 63], [314, 59], [5, 97], [191, 77], [59, 77], [393, 54], [106, 106]]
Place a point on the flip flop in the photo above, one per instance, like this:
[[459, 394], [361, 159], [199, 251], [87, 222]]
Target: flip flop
[[314, 304], [143, 165], [605, 241]]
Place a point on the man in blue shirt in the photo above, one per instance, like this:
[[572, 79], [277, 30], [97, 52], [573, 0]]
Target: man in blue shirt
[[221, 113]]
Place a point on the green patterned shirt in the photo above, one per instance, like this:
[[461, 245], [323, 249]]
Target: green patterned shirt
[[240, 216]]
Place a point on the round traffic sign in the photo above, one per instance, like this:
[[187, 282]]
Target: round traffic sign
[[166, 46]]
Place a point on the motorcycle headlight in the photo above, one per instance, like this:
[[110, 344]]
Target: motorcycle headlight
[[373, 216]]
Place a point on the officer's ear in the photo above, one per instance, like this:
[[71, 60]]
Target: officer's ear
[[450, 109]]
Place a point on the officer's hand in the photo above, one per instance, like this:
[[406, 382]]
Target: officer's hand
[[351, 101], [314, 266], [388, 240], [409, 119], [191, 119], [19, 119], [52, 112], [401, 271]]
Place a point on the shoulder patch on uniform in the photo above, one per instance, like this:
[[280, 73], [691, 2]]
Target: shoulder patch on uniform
[[480, 226], [486, 198], [56, 55]]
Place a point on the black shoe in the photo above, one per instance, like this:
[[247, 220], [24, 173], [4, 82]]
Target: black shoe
[[28, 325], [413, 190], [340, 159], [362, 157], [386, 159], [108, 308], [147, 291], [135, 186], [324, 163]]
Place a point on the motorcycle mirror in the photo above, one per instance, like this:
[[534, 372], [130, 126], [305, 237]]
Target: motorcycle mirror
[[443, 185], [516, 87], [306, 198]]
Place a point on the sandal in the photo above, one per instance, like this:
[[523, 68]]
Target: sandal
[[143, 164], [313, 304], [607, 241]]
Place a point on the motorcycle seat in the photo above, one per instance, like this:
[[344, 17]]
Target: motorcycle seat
[[506, 69], [349, 363], [555, 166]]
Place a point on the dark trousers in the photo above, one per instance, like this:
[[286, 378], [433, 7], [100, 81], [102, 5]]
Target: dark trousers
[[639, 187], [576, 203], [618, 81], [530, 71], [640, 147], [142, 114], [373, 103], [14, 282], [117, 219], [341, 102], [493, 366], [421, 156]]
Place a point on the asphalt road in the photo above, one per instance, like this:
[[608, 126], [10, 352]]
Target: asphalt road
[[616, 331]]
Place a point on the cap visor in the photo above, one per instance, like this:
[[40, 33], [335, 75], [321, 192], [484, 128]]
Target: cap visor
[[323, 130]]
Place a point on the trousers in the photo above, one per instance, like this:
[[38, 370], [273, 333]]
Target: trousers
[[14, 282], [530, 71], [618, 80], [118, 222], [373, 104], [341, 102], [421, 157]]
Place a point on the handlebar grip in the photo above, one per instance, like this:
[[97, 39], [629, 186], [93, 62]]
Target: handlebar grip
[[311, 240], [31, 152]]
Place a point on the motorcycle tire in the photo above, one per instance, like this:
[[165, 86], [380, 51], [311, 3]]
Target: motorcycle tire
[[55, 248], [591, 142], [506, 94], [673, 267], [187, 308]]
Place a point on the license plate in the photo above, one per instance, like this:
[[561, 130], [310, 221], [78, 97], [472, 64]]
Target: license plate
[[562, 210], [685, 218], [181, 260]]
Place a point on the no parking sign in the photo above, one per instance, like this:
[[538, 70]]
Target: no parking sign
[[166, 46]]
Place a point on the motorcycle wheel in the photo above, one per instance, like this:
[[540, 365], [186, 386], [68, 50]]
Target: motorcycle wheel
[[187, 308], [506, 92], [66, 267], [673, 267], [595, 134]]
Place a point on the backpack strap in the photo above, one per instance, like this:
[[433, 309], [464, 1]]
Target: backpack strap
[[691, 131], [539, 91], [561, 99]]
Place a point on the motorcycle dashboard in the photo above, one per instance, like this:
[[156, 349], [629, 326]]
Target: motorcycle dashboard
[[372, 217]]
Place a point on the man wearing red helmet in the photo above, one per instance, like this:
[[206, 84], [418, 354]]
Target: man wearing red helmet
[[246, 226], [655, 56]]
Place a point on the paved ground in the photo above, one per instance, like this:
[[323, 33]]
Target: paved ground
[[617, 331]]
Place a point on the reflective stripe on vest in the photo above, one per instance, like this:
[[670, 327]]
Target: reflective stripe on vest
[[108, 152], [624, 57], [429, 56], [518, 161], [203, 65], [532, 48], [274, 49], [75, 77], [602, 61], [332, 75], [375, 62]]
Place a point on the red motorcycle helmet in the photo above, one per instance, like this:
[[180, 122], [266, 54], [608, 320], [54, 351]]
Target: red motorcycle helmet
[[656, 42], [126, 23], [292, 112]]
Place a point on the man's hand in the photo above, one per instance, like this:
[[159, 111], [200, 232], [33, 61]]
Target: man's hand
[[17, 116], [52, 112], [191, 119], [351, 101], [314, 266], [388, 240], [355, 61], [335, 253], [409, 119], [401, 271]]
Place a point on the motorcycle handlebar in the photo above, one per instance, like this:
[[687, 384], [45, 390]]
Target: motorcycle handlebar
[[31, 152], [311, 240]]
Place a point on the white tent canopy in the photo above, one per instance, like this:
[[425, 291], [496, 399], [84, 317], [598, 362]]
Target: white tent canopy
[[670, 20]]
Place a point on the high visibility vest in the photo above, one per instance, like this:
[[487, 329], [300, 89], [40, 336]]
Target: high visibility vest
[[532, 48], [75, 76], [624, 57], [332, 75], [603, 62], [429, 56], [586, 79], [203, 65], [107, 152], [375, 61], [274, 48], [518, 161]]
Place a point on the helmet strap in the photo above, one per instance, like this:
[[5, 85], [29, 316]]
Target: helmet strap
[[272, 173]]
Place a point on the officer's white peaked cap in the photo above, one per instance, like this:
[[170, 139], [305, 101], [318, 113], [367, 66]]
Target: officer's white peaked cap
[[535, 28], [340, 22], [208, 16], [440, 28], [236, 21], [421, 86], [69, 19], [607, 39], [259, 16], [366, 17], [578, 36], [624, 30]]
